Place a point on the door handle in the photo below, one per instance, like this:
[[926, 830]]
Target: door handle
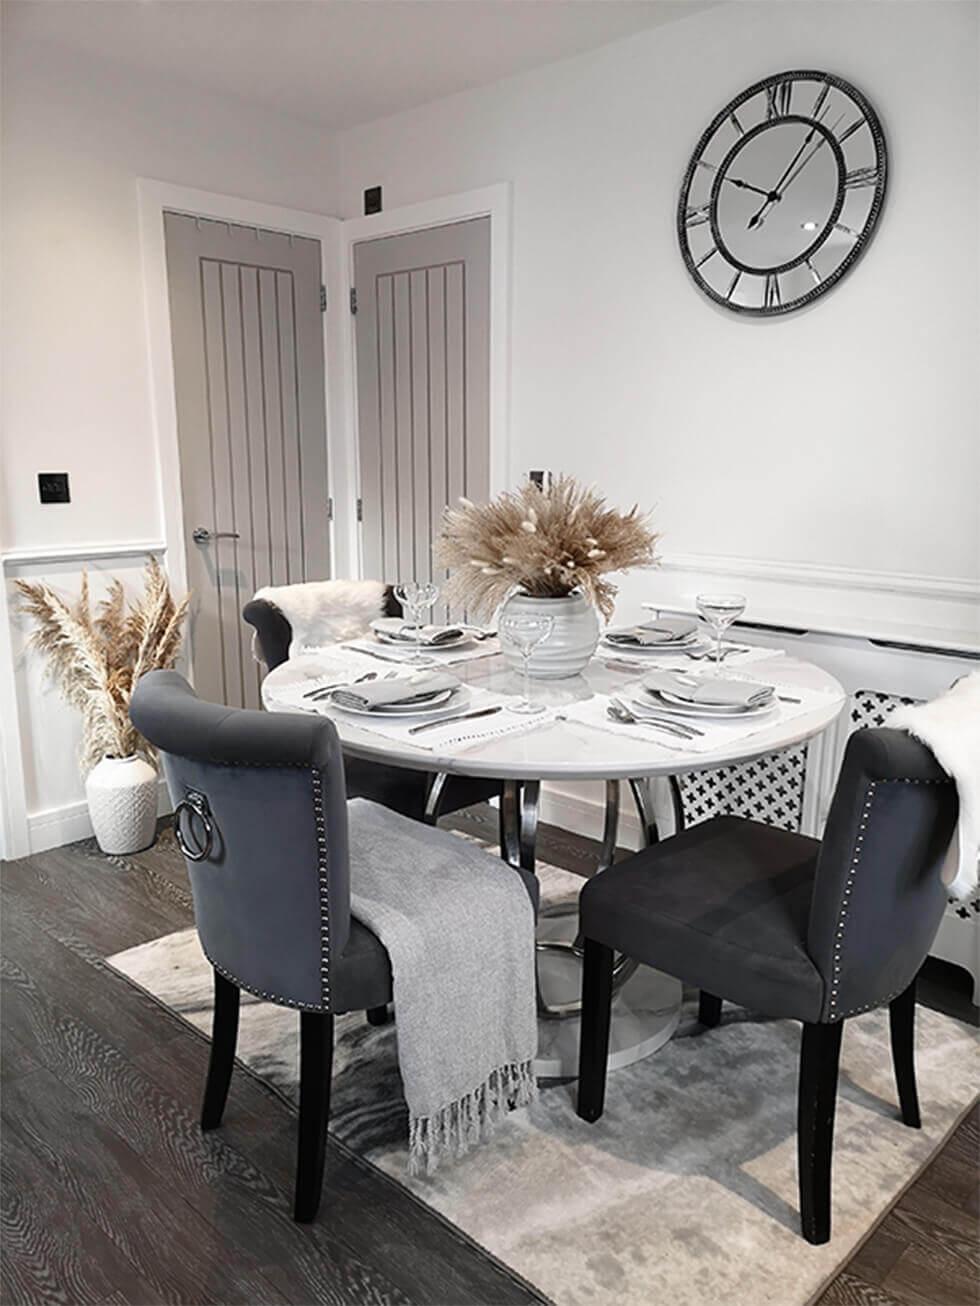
[[201, 535]]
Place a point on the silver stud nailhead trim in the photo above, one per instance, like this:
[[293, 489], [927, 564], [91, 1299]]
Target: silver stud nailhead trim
[[833, 1013], [261, 993], [321, 858], [322, 873]]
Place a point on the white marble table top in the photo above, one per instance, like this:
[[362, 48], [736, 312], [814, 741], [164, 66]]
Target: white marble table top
[[568, 750]]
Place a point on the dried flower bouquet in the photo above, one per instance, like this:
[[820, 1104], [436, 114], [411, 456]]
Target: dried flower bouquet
[[97, 659], [547, 543]]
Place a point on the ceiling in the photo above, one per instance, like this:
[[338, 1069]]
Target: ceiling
[[336, 62]]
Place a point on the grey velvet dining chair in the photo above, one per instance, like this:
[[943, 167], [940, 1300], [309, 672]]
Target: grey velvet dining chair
[[423, 795], [815, 931], [271, 844]]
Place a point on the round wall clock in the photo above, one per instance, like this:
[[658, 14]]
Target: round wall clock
[[782, 194]]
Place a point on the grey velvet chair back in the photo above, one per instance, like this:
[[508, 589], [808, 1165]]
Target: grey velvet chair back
[[275, 633], [260, 809], [878, 896]]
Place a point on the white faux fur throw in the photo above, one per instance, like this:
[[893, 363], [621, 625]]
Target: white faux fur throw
[[325, 612], [950, 726]]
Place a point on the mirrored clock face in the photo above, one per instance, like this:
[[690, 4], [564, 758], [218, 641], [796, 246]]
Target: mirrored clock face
[[782, 193]]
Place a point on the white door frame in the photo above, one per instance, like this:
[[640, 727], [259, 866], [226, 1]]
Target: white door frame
[[154, 198], [493, 202]]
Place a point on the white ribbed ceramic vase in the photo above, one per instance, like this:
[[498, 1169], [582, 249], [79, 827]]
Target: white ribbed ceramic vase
[[570, 645], [122, 802]]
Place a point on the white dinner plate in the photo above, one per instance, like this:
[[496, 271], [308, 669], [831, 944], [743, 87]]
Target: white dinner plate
[[678, 646], [455, 698], [386, 631], [654, 698]]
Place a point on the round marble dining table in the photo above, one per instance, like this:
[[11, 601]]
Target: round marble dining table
[[556, 748]]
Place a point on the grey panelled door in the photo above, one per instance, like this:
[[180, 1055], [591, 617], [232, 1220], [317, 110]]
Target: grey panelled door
[[423, 368], [249, 374]]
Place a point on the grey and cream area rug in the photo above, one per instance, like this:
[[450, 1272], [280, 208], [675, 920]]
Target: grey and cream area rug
[[684, 1193]]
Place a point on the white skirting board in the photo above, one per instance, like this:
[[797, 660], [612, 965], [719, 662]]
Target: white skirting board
[[60, 825]]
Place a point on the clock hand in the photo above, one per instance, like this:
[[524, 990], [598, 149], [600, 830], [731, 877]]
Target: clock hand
[[819, 145], [747, 185], [758, 217]]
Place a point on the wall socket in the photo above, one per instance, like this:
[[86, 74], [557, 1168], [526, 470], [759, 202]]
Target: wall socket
[[52, 487], [372, 200], [542, 479]]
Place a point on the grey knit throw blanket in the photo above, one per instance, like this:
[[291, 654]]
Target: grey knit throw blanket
[[458, 926]]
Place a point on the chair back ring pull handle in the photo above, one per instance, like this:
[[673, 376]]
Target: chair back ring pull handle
[[194, 804]]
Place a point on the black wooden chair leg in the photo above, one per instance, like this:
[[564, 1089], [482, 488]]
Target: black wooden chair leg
[[594, 1037], [819, 1060], [709, 1009], [901, 1017], [315, 1069], [224, 1039], [377, 1015]]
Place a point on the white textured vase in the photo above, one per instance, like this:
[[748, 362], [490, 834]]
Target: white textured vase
[[122, 802], [567, 650]]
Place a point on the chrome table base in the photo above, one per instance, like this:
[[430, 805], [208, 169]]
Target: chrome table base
[[647, 1003]]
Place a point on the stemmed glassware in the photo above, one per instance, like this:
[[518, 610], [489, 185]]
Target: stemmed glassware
[[526, 631], [418, 598], [719, 611]]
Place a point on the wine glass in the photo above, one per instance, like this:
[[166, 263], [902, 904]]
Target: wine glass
[[719, 611], [418, 598], [526, 631]]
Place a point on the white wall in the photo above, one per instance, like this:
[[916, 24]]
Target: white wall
[[846, 435], [76, 136]]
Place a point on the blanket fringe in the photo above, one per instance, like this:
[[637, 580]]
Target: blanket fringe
[[462, 1124]]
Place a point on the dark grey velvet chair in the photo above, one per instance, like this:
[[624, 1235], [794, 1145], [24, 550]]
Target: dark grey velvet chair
[[423, 795], [791, 927], [260, 812]]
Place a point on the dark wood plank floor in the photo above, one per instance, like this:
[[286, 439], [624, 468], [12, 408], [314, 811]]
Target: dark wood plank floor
[[112, 1194]]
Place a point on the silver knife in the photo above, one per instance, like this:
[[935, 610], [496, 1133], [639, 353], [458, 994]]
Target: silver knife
[[461, 716], [402, 662]]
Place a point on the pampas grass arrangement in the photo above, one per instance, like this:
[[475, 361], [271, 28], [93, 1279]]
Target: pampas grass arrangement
[[547, 543], [98, 658]]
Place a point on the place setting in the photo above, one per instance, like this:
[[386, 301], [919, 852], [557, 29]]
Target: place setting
[[410, 639], [698, 710], [681, 641]]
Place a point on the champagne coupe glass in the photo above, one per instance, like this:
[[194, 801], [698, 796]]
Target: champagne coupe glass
[[418, 598], [719, 611], [526, 631]]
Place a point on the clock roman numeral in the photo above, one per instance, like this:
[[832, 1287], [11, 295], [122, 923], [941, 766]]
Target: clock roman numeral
[[845, 229], [697, 215], [704, 257], [778, 99], [703, 163], [733, 119], [731, 289], [813, 273], [818, 103], [858, 177], [772, 296]]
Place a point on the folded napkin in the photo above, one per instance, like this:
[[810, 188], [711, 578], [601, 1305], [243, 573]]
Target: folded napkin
[[403, 689], [668, 630], [716, 691], [430, 636]]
